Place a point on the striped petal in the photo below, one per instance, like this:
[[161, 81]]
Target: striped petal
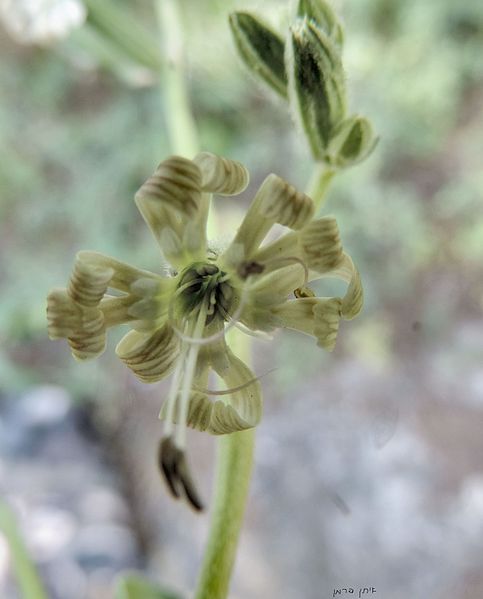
[[221, 175], [151, 356]]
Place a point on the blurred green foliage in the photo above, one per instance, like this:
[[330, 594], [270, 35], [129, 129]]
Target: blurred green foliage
[[81, 130]]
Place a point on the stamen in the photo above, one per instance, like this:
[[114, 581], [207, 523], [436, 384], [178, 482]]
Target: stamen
[[173, 390], [191, 359], [231, 390]]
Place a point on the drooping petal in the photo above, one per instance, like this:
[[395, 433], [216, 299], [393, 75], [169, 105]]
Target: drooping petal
[[242, 409], [221, 175], [239, 410], [354, 298], [151, 356], [327, 315], [318, 317]]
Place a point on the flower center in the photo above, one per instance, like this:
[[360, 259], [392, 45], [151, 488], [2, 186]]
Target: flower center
[[204, 283]]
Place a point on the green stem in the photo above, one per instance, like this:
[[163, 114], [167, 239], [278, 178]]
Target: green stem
[[26, 574], [235, 451], [319, 184], [123, 30], [235, 460], [179, 120]]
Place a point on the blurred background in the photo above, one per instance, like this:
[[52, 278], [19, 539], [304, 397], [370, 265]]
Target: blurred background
[[369, 465]]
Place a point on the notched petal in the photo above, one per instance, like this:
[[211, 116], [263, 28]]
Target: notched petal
[[221, 175]]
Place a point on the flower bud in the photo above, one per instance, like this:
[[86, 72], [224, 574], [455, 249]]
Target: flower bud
[[352, 141], [316, 82], [322, 15], [261, 49]]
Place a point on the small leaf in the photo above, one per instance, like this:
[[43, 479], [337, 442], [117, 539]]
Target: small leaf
[[261, 49], [134, 586]]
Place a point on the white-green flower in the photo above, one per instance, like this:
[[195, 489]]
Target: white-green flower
[[178, 322]]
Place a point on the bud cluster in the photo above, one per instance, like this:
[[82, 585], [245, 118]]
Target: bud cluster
[[306, 70]]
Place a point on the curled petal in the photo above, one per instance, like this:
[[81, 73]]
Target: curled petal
[[90, 340], [327, 315], [63, 314], [151, 356], [354, 298], [242, 409], [220, 175], [281, 202], [84, 328], [176, 184], [320, 244], [88, 282]]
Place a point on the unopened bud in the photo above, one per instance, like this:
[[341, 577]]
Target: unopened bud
[[322, 15], [353, 141], [317, 83]]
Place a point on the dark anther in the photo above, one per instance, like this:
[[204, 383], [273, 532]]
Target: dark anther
[[250, 268], [173, 465], [303, 292]]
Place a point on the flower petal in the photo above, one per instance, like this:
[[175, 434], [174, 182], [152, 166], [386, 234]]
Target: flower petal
[[176, 185], [327, 314], [242, 409], [275, 202], [123, 276], [88, 282], [221, 175], [151, 356], [320, 244]]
